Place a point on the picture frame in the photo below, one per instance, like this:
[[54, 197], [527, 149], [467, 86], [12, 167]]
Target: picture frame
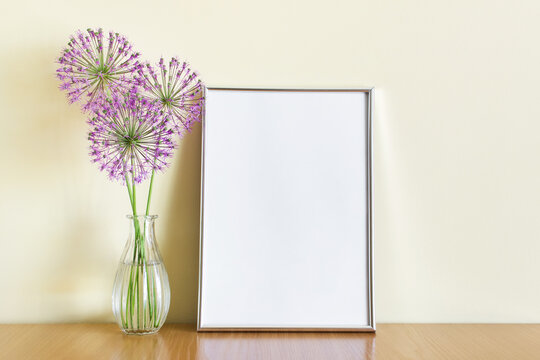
[[286, 210]]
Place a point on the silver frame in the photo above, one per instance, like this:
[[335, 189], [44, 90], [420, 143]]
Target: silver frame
[[369, 159]]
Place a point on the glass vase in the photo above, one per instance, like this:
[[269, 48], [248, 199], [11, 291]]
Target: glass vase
[[141, 293]]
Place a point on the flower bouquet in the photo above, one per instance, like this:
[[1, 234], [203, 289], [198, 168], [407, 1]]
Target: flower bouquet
[[136, 114]]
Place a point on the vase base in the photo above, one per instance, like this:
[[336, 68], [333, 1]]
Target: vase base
[[140, 332]]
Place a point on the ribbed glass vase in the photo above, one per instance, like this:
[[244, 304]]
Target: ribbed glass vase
[[141, 293]]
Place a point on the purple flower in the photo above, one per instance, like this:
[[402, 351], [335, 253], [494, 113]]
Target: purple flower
[[90, 67], [130, 136], [178, 90]]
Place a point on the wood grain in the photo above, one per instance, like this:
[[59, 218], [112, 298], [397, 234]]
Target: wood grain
[[392, 341]]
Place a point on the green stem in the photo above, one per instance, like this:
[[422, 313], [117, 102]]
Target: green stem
[[138, 256], [130, 297], [150, 193], [147, 212], [139, 268], [129, 192]]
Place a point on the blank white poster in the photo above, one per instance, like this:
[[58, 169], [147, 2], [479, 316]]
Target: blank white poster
[[285, 210]]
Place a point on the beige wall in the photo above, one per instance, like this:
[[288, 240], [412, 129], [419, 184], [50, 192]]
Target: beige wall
[[456, 147]]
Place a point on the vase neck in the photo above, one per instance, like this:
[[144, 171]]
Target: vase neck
[[141, 245]]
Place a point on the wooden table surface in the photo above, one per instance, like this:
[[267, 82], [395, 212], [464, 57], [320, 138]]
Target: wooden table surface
[[392, 341]]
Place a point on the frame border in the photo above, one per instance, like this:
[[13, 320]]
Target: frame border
[[369, 160]]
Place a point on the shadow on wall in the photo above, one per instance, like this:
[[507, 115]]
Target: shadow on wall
[[180, 239]]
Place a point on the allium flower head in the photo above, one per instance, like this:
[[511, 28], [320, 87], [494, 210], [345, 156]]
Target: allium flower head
[[130, 136], [89, 65], [178, 90]]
